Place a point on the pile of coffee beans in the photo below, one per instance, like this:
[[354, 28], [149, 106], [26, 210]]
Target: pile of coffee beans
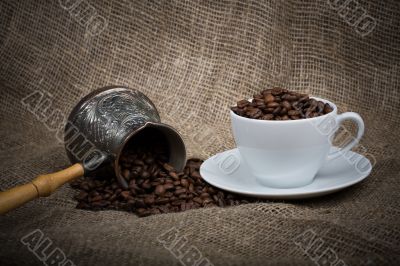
[[281, 104], [154, 187]]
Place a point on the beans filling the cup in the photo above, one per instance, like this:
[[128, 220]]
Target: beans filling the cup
[[281, 104]]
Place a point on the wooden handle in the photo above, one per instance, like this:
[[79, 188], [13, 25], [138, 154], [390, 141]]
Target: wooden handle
[[41, 186]]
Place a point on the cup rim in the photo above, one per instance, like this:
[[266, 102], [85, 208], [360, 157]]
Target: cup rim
[[334, 111]]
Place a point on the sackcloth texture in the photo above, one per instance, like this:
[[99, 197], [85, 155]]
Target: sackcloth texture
[[195, 59]]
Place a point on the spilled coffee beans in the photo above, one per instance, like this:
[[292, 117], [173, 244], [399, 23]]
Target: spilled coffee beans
[[281, 104], [154, 187]]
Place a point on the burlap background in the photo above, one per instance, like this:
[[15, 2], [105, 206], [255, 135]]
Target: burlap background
[[194, 59]]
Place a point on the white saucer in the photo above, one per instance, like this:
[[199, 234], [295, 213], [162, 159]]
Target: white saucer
[[333, 176]]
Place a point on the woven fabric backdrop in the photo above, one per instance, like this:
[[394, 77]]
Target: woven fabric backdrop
[[194, 59]]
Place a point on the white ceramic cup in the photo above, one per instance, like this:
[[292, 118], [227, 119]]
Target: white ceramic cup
[[289, 153]]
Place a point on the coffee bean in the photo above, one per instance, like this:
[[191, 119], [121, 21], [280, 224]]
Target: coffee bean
[[160, 190], [138, 162], [185, 183], [313, 114], [155, 183], [242, 103], [177, 202], [267, 117], [207, 200], [132, 184], [272, 105], [307, 112], [269, 98], [149, 200], [142, 212], [107, 196], [204, 195], [277, 110], [254, 113], [196, 175], [149, 160], [139, 203], [180, 191], [327, 108], [293, 113], [136, 170], [162, 200], [269, 110], [173, 175], [283, 111], [304, 98], [237, 110], [211, 190], [168, 194], [145, 174], [125, 194], [94, 193], [186, 206], [198, 200], [91, 184], [313, 105], [285, 104], [146, 185], [81, 196], [257, 96], [215, 198], [320, 107], [221, 203], [289, 97], [100, 204], [259, 103], [276, 91], [82, 205], [113, 197], [168, 186], [191, 188], [266, 91], [96, 198], [168, 167], [85, 187]]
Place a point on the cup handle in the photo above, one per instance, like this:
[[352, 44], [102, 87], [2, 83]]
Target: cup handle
[[360, 132]]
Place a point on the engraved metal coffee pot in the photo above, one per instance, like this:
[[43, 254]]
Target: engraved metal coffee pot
[[98, 129]]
